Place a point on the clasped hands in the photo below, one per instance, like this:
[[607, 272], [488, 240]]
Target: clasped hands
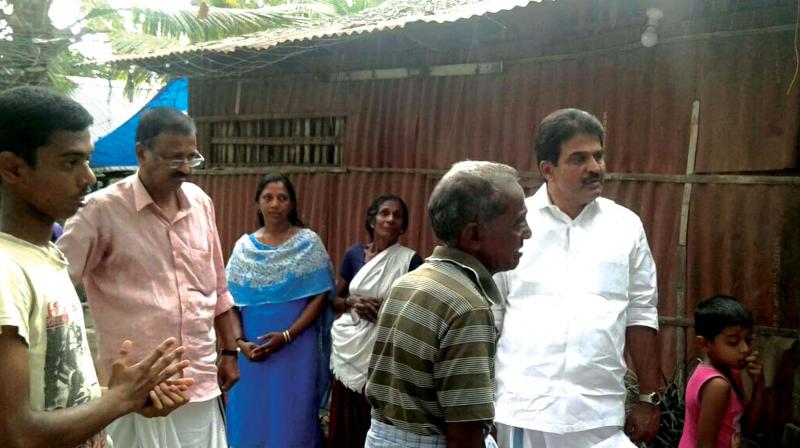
[[259, 352], [146, 387], [365, 307]]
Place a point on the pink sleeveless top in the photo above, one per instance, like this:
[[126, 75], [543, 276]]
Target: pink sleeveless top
[[729, 431]]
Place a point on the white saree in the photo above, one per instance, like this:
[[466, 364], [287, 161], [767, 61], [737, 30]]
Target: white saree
[[353, 337]]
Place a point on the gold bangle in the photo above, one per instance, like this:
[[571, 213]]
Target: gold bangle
[[286, 336]]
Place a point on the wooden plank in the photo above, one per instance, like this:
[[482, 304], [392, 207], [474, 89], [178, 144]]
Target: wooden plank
[[271, 151], [339, 127], [664, 178], [633, 177], [270, 116], [228, 149], [731, 179], [427, 172], [686, 200], [204, 141], [286, 130], [294, 141], [238, 97], [307, 132], [251, 131], [287, 169], [684, 322], [694, 131]]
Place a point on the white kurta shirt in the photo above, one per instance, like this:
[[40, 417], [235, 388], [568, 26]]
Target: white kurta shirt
[[579, 285]]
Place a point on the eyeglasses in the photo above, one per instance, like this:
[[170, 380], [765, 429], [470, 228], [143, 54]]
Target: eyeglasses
[[195, 161]]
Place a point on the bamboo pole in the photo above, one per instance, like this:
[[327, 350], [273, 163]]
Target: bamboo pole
[[238, 102], [307, 148], [682, 268], [339, 125], [622, 177], [286, 126], [250, 149], [685, 322]]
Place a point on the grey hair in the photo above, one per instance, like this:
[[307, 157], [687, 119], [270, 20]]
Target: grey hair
[[470, 192]]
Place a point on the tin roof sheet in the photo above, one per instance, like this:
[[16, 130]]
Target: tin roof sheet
[[390, 15]]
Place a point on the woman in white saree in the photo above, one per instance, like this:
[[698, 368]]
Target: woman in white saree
[[367, 273]]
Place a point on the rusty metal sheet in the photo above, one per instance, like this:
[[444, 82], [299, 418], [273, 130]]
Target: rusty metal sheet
[[749, 120], [430, 123], [744, 240]]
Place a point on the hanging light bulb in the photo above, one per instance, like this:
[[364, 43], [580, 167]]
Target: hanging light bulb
[[650, 36]]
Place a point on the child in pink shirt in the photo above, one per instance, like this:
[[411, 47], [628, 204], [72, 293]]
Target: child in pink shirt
[[715, 401]]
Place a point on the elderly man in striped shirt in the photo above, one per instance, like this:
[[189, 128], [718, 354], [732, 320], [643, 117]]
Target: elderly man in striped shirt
[[431, 375]]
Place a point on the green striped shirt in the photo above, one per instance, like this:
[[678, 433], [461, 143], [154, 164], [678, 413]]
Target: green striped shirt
[[433, 361]]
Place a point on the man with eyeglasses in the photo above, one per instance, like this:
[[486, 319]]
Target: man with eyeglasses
[[147, 251]]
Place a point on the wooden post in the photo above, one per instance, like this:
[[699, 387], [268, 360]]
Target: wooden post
[[308, 131], [287, 128], [238, 98], [239, 152], [271, 131], [339, 127], [251, 151], [680, 294]]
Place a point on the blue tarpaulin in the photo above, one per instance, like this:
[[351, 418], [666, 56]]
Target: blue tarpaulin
[[116, 151]]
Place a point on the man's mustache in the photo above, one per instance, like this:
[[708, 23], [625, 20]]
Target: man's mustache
[[593, 178]]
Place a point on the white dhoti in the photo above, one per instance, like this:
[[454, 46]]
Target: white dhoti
[[193, 425], [606, 437]]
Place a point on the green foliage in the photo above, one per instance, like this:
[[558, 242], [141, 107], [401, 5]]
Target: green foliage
[[232, 3], [33, 51], [673, 407], [220, 23], [345, 7]]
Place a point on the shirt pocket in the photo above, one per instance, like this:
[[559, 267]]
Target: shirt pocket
[[609, 279], [200, 274]]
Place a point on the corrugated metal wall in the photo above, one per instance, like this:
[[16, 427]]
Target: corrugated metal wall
[[740, 239]]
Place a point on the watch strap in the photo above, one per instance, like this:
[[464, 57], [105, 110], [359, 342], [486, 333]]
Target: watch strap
[[234, 353], [651, 398]]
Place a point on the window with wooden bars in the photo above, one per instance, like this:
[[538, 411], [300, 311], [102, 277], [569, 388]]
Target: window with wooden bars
[[295, 141]]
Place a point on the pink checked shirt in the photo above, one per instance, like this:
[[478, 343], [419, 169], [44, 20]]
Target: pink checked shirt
[[147, 278]]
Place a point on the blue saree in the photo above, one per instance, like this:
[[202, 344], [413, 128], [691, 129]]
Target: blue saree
[[276, 402]]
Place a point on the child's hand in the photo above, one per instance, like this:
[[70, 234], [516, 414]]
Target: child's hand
[[754, 366]]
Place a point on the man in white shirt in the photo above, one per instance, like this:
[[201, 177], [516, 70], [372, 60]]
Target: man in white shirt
[[584, 289]]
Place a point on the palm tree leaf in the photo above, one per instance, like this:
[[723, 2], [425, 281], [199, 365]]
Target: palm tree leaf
[[124, 42], [220, 23]]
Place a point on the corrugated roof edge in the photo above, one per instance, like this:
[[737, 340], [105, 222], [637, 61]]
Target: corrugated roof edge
[[357, 25]]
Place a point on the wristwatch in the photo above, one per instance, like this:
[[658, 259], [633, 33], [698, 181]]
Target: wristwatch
[[234, 353], [651, 398]]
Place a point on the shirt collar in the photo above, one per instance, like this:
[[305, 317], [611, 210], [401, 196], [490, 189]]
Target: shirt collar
[[142, 198], [472, 265], [541, 200]]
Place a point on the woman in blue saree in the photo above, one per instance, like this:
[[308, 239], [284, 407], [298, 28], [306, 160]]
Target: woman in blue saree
[[280, 277]]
